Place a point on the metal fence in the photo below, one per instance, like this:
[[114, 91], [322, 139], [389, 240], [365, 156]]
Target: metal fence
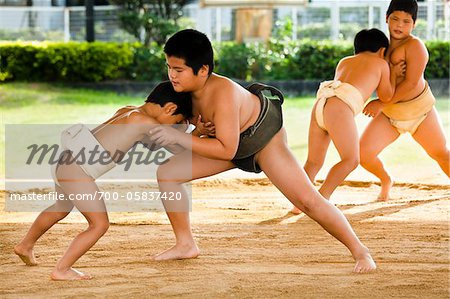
[[318, 20], [59, 24], [342, 19]]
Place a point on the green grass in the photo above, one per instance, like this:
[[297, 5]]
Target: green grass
[[22, 103]]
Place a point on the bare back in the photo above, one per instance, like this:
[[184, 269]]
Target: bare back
[[128, 125], [364, 72]]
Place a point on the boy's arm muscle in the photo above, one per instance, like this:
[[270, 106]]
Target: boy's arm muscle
[[416, 62], [226, 121], [173, 148], [386, 86]]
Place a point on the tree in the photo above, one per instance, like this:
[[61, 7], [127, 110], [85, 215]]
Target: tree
[[150, 20]]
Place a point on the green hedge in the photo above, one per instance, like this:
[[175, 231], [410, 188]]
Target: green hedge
[[439, 62], [71, 61], [99, 61], [148, 63], [305, 59]]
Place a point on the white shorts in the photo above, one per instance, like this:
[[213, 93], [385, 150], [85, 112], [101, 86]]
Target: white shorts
[[80, 141]]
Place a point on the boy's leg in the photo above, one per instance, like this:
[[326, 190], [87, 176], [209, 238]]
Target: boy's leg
[[280, 166], [318, 142], [171, 176], [73, 180], [430, 135], [376, 137], [340, 123], [43, 222], [119, 137]]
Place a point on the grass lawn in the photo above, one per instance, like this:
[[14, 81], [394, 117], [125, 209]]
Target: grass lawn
[[22, 103]]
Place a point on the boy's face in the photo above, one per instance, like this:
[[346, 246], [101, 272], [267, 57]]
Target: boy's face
[[170, 119], [400, 24], [181, 75]]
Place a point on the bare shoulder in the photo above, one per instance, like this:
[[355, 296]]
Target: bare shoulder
[[125, 109], [224, 83], [224, 88], [380, 61], [136, 116], [415, 44], [415, 41], [345, 61]]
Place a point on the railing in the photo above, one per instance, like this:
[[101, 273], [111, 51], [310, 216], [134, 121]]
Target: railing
[[318, 20], [58, 23]]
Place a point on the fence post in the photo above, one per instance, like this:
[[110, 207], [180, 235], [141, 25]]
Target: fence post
[[90, 21], [370, 16], [218, 24], [294, 17], [447, 20], [203, 23], [335, 20], [430, 19], [66, 12], [383, 9]]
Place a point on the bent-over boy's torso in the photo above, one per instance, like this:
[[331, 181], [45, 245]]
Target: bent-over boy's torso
[[362, 72], [113, 133]]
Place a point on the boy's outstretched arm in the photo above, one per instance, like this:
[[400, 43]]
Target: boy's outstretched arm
[[386, 87], [201, 130]]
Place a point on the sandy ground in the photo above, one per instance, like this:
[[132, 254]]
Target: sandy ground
[[251, 247]]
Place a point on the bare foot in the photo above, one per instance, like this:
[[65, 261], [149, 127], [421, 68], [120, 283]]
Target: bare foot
[[70, 274], [26, 255], [364, 263], [296, 211], [385, 189], [178, 252]]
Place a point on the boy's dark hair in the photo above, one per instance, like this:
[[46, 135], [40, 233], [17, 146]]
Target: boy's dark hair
[[370, 40], [164, 93], [192, 46], [408, 6]]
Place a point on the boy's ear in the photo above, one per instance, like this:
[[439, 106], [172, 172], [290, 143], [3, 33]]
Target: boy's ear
[[382, 51], [203, 71], [170, 108]]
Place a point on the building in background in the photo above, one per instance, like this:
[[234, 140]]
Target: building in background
[[241, 20]]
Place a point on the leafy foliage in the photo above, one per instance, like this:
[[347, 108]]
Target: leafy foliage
[[275, 60], [150, 20]]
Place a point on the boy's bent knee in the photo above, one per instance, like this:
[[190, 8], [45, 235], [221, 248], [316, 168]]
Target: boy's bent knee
[[351, 163], [101, 226], [61, 215], [440, 155], [162, 173], [308, 205], [170, 173], [311, 164], [365, 156]]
